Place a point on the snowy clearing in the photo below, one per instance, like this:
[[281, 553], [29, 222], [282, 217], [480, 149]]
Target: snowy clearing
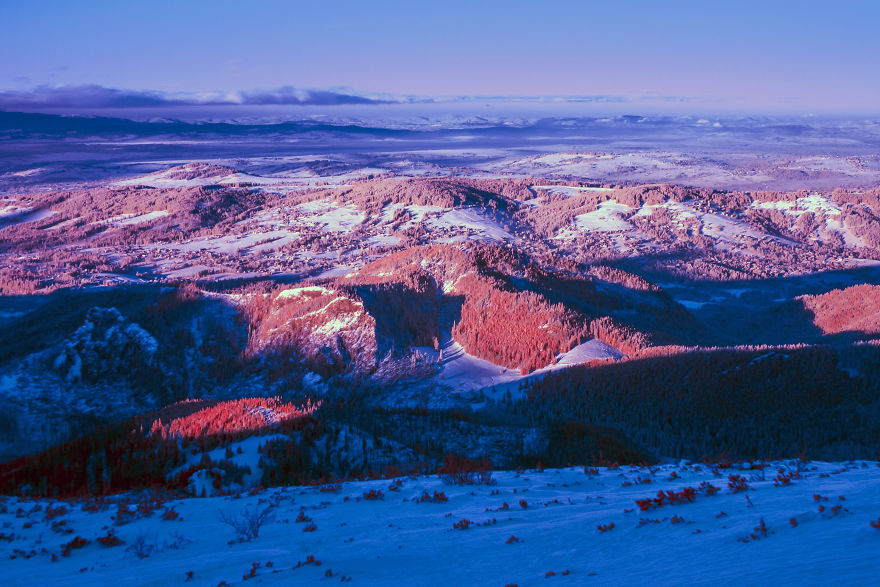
[[233, 243], [132, 219], [12, 215], [606, 218], [815, 203], [568, 191], [465, 372], [472, 219], [333, 218]]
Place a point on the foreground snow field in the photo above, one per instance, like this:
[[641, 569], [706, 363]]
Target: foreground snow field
[[793, 523]]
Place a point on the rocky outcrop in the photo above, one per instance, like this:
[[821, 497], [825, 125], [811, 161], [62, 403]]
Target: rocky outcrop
[[106, 345]]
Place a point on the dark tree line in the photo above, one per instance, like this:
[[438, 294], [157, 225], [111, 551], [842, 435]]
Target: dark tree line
[[748, 404]]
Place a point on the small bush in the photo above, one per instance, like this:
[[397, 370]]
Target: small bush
[[142, 548], [252, 573], [686, 495], [457, 470], [52, 513], [737, 483], [110, 539], [124, 514], [438, 497], [78, 542], [247, 523], [373, 495]]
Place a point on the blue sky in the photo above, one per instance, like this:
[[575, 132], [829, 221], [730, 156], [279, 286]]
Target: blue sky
[[774, 55]]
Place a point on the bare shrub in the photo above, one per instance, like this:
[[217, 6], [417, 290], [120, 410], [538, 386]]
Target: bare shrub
[[248, 522], [142, 548]]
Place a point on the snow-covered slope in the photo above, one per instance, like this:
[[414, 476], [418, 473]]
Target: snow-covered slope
[[570, 526], [465, 372]]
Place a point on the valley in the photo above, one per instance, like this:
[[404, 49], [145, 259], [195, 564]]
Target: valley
[[421, 310], [480, 293], [315, 339]]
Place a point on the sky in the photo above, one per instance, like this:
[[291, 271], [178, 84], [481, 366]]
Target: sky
[[773, 55]]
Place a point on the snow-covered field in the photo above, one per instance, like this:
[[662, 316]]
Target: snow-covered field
[[827, 214], [15, 215], [288, 181], [472, 220], [606, 218], [612, 216], [131, 219], [334, 218], [565, 190], [570, 526]]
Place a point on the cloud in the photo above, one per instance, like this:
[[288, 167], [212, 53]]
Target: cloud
[[95, 96], [591, 98], [668, 99], [90, 96], [599, 99], [291, 95]]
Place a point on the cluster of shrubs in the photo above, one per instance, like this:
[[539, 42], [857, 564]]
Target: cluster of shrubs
[[459, 470]]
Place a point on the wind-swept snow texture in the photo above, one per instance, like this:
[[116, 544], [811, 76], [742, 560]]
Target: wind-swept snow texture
[[793, 523]]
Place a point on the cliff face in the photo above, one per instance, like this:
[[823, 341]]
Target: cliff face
[[330, 327]]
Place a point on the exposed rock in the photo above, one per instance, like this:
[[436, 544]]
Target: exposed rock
[[106, 345]]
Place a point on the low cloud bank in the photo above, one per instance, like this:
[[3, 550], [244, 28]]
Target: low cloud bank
[[95, 96]]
